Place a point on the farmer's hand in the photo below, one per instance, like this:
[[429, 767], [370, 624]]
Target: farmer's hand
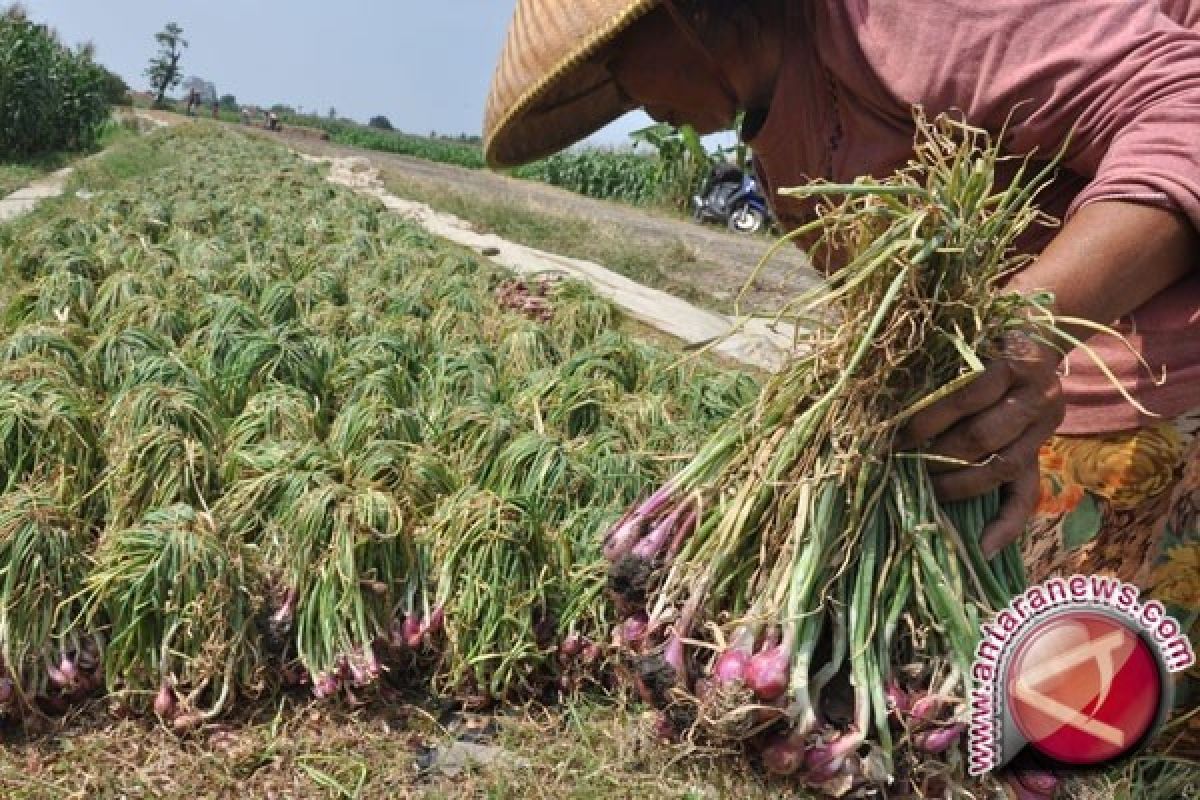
[[995, 424]]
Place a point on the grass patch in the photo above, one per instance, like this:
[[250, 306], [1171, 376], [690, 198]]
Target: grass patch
[[657, 265], [16, 175], [586, 750], [129, 157]]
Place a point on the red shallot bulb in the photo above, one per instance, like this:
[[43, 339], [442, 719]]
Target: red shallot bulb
[[767, 672], [164, 702], [731, 665], [926, 707], [939, 740], [571, 646], [785, 754], [652, 543], [826, 760], [412, 630], [622, 537], [66, 665], [634, 628], [1041, 781], [326, 685], [1022, 792]]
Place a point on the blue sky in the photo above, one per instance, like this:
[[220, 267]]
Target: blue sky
[[424, 65]]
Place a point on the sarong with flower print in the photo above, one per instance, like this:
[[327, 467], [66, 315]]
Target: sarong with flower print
[[1126, 504]]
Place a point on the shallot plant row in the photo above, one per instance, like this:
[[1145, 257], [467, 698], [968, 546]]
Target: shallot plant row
[[256, 433]]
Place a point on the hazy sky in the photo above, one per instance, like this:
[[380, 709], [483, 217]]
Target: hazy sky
[[425, 65]]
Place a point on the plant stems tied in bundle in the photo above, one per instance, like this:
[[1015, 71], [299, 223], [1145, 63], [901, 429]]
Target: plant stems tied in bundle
[[797, 585], [339, 540], [493, 584], [43, 559], [177, 597]]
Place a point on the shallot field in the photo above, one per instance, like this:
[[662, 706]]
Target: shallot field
[[297, 500]]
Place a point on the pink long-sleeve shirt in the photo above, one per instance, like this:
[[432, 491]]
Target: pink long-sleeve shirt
[[1125, 73]]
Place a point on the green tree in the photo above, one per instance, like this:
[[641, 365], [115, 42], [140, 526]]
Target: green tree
[[164, 72], [229, 102], [116, 91], [381, 122], [682, 160]]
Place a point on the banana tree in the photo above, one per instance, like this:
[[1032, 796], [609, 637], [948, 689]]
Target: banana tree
[[683, 160]]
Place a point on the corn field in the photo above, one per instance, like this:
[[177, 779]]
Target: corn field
[[667, 171], [608, 175], [256, 435], [51, 97], [445, 151]]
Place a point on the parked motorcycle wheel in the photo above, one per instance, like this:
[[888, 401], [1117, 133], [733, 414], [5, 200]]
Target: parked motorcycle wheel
[[747, 219]]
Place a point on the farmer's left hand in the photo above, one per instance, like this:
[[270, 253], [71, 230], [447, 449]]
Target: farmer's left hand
[[991, 431]]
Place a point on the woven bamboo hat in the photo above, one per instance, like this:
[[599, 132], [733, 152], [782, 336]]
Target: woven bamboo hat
[[548, 92]]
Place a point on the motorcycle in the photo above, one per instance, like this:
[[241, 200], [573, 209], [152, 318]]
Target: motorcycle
[[731, 197]]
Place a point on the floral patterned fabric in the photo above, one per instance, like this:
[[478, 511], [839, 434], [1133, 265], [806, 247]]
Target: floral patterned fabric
[[1126, 504]]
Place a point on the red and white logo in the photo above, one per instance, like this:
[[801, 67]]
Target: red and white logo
[[1083, 688], [1078, 669]]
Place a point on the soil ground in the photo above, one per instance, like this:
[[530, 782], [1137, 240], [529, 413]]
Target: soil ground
[[398, 747]]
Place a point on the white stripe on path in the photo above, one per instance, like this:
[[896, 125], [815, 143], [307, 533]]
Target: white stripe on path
[[754, 343], [23, 201]]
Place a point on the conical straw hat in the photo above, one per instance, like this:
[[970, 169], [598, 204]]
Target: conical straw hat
[[548, 92]]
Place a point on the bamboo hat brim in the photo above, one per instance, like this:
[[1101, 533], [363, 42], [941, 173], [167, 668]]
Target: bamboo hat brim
[[548, 91]]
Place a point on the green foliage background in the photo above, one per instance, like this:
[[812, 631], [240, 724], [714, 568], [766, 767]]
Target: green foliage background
[[51, 97]]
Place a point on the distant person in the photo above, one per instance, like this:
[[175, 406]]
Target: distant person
[[192, 99], [245, 115]]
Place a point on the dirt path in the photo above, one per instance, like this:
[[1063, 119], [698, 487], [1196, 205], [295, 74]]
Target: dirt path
[[723, 260]]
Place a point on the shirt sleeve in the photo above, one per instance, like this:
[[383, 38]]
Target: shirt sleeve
[[1138, 133], [1120, 77]]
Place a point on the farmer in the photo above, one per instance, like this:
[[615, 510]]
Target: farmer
[[828, 86]]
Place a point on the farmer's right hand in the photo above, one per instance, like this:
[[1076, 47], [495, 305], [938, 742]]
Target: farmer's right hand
[[989, 432]]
